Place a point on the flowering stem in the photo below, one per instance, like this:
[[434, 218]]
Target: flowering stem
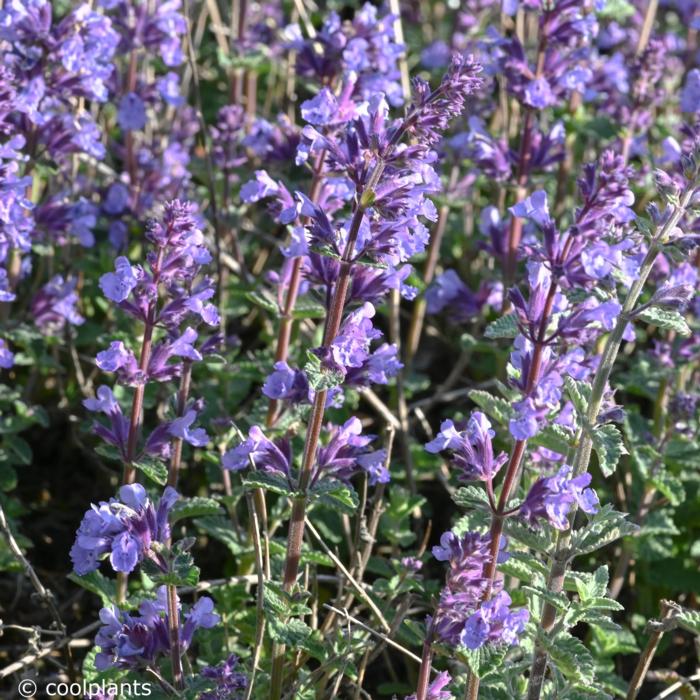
[[174, 633], [295, 534], [425, 666], [136, 417], [182, 396], [512, 470], [562, 555], [284, 333]]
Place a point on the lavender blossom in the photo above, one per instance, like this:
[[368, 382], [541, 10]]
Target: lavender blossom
[[138, 641], [125, 529]]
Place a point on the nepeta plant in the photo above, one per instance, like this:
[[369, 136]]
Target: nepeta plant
[[387, 315]]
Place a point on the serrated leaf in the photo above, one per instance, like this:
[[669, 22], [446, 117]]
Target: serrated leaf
[[690, 620], [559, 600], [269, 481], [554, 437], [485, 660], [570, 657], [670, 486], [97, 583], [503, 327], [194, 507], [153, 469], [667, 319], [297, 635], [336, 495], [524, 567], [606, 526], [539, 540], [608, 445], [321, 378], [579, 393], [264, 300], [470, 497], [221, 529], [499, 409]]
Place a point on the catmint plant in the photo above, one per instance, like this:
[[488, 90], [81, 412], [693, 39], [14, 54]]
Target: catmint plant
[[414, 380]]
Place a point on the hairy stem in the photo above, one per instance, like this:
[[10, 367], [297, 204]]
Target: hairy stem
[[174, 634], [562, 557]]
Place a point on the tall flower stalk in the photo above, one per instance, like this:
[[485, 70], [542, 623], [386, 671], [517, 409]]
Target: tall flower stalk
[[561, 557]]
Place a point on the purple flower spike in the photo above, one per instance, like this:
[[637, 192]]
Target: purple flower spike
[[551, 499], [134, 641], [495, 623]]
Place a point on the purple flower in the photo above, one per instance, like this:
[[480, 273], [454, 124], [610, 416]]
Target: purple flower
[[54, 305], [169, 89], [538, 94], [7, 358], [495, 623], [535, 208], [261, 452], [229, 683], [136, 641], [471, 450], [287, 384], [180, 428], [551, 498], [117, 357], [125, 529], [131, 114], [435, 689], [118, 285]]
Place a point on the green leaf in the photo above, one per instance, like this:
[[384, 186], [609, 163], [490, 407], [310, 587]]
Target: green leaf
[[606, 526], [269, 481], [97, 583], [153, 469], [194, 507], [558, 600], [618, 10], [579, 393], [524, 567], [499, 409], [307, 308], [608, 445], [221, 529], [689, 620], [263, 299], [570, 657], [18, 449], [182, 571], [539, 540], [666, 319], [554, 437], [336, 495], [470, 497], [485, 660], [321, 378], [670, 486], [503, 327], [296, 635]]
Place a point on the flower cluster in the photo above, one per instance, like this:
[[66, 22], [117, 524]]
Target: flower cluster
[[125, 528], [462, 615], [345, 454], [131, 641]]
